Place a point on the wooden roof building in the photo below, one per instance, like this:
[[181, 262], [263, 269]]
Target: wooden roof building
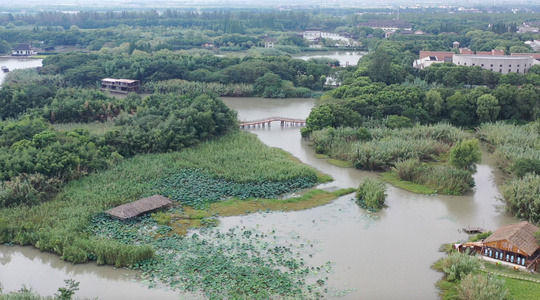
[[133, 209], [514, 243]]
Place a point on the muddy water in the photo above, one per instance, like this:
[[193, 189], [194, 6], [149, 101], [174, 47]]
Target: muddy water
[[384, 255], [18, 63]]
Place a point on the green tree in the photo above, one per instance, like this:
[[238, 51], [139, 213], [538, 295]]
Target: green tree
[[434, 103], [487, 108], [319, 118], [465, 154]]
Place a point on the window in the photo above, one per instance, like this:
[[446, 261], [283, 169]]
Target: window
[[464, 64], [500, 70], [509, 66], [509, 70], [500, 66], [482, 65], [491, 69], [517, 71], [518, 66], [491, 65], [473, 64]]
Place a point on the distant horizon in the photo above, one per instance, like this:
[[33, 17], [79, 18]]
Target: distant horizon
[[76, 5]]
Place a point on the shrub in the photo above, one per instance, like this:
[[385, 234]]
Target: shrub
[[457, 265], [465, 154], [482, 287], [371, 194]]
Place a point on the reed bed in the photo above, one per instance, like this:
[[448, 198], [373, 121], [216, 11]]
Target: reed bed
[[442, 178], [186, 87], [499, 134], [60, 225], [522, 197], [371, 194], [381, 148], [516, 149]]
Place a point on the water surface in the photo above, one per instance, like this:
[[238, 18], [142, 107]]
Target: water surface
[[18, 63], [345, 57]]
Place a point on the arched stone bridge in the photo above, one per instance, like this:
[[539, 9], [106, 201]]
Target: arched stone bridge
[[268, 121]]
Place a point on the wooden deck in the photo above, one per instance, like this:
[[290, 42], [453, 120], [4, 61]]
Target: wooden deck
[[268, 121]]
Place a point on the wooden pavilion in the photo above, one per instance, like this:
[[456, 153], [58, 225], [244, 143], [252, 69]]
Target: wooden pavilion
[[515, 244], [133, 209]]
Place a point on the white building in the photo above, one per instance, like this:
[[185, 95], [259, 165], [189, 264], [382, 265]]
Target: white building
[[503, 64], [23, 50]]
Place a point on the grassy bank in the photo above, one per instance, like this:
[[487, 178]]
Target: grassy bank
[[391, 178]]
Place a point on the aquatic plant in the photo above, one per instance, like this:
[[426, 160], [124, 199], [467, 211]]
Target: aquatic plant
[[241, 263], [442, 178], [371, 194], [379, 148], [197, 188]]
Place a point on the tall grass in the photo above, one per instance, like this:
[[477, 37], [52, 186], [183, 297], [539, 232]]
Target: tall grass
[[60, 225], [187, 87], [445, 179], [512, 143], [522, 197], [380, 148], [371, 194]]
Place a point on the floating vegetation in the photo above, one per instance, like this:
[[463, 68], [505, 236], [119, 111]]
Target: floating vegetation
[[370, 219], [198, 188], [448, 218], [241, 263]]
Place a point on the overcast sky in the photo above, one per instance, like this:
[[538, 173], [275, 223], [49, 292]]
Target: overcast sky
[[81, 4]]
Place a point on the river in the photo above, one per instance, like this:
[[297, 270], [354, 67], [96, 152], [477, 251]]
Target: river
[[383, 255], [18, 63], [346, 58]]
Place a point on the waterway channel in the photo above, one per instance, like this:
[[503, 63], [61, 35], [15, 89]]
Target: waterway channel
[[384, 255], [18, 63]]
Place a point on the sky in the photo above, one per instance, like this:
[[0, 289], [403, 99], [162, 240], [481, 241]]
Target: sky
[[125, 4]]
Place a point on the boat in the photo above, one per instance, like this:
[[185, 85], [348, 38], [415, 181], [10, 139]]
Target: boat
[[5, 69], [473, 230]]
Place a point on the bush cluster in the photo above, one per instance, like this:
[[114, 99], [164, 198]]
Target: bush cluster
[[371, 194]]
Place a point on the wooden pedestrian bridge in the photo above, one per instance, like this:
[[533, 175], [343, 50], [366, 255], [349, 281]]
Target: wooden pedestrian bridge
[[268, 121]]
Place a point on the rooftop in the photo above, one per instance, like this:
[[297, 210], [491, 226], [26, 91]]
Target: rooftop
[[520, 234]]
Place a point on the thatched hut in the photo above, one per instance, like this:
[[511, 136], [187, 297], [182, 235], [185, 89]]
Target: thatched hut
[[515, 244], [133, 209]]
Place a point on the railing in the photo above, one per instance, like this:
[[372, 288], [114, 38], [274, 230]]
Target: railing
[[269, 120]]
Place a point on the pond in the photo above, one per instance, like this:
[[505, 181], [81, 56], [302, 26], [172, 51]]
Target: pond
[[383, 255]]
